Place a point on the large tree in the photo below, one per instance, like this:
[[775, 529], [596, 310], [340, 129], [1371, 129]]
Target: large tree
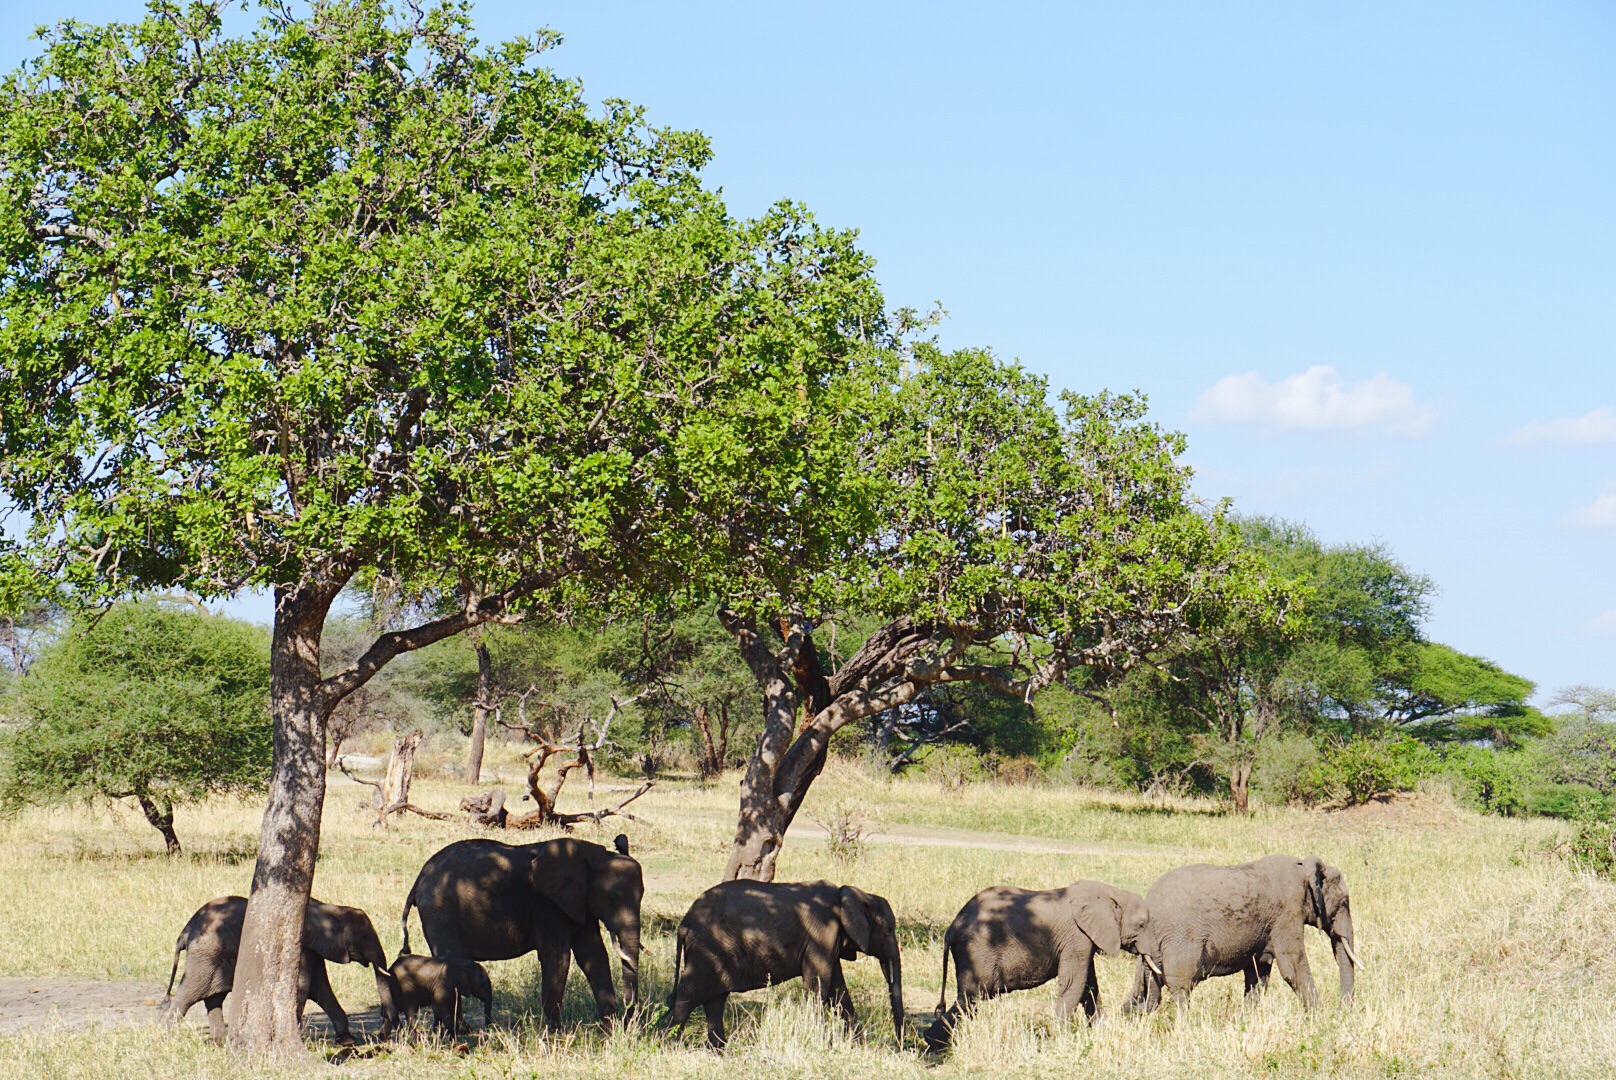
[[351, 293], [1001, 541]]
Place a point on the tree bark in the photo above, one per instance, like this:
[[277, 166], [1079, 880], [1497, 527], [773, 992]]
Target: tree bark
[[263, 1005], [479, 714], [1240, 785], [162, 819]]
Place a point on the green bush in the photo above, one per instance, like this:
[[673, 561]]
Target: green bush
[[1592, 847], [1493, 781], [1573, 802], [1364, 768], [1290, 769]]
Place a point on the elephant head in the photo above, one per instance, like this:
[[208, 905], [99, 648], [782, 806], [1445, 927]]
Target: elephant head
[[1111, 918], [591, 884], [1330, 909], [345, 935], [870, 927]]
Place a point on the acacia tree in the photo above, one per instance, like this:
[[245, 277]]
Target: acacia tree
[[143, 702], [1005, 544], [349, 293]]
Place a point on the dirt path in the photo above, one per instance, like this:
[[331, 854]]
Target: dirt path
[[82, 1003]]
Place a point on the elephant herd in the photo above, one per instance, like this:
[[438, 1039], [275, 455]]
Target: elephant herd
[[482, 900]]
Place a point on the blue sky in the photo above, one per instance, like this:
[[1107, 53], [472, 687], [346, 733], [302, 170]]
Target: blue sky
[[1363, 254]]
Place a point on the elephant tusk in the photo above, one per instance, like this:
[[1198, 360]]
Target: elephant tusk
[[1151, 963], [622, 953], [1347, 945]]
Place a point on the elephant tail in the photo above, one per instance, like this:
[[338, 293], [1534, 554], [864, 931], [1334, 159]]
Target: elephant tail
[[179, 947], [678, 964], [404, 920], [942, 993]]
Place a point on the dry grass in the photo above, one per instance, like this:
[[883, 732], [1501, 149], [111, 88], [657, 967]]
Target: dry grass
[[1483, 958]]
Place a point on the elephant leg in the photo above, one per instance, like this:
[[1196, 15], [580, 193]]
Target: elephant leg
[[215, 1006], [838, 997], [597, 968], [555, 961], [445, 1009], [321, 994], [1074, 976], [1293, 967], [1256, 974], [1137, 992], [714, 1011], [1091, 996]]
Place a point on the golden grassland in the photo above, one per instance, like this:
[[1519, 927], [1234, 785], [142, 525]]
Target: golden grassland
[[1483, 956]]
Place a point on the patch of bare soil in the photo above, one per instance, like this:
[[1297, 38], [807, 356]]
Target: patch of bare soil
[[83, 1003], [1405, 809]]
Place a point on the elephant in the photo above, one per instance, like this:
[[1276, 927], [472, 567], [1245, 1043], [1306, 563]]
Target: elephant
[[441, 982], [745, 935], [212, 938], [487, 900], [1207, 921], [1006, 938]]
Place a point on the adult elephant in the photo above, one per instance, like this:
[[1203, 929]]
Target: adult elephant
[[486, 900], [1207, 921], [745, 935], [1006, 938], [211, 940]]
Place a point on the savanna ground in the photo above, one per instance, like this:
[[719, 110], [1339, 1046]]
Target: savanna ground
[[1484, 957]]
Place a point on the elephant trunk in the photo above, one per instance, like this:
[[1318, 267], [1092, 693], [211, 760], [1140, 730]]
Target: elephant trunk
[[626, 935], [1346, 957], [386, 989], [892, 968]]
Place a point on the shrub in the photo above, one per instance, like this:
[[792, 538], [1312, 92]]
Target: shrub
[[1364, 768], [1290, 769], [953, 766], [1592, 847], [847, 826], [1573, 802], [1493, 781]]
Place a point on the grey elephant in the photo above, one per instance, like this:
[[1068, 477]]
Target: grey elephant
[[745, 935], [485, 900], [1208, 921], [1006, 938], [211, 940], [440, 982]]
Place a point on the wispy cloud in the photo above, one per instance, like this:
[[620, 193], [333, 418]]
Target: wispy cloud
[[1603, 624], [1596, 428], [1599, 514], [1318, 399]]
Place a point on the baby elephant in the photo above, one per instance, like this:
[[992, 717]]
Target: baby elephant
[[745, 935], [1006, 938], [441, 982], [212, 937]]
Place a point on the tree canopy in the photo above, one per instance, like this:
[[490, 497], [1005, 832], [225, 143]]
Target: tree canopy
[[353, 292], [146, 702]]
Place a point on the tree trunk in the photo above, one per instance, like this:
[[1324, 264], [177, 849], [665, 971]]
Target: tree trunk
[[479, 715], [263, 1006], [711, 763], [161, 818], [1240, 785], [761, 826]]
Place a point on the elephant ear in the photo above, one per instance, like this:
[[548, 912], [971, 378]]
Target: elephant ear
[[564, 882], [325, 932], [1099, 917], [855, 910], [1313, 878]]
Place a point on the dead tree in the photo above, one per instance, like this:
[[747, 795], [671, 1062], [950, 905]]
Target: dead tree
[[547, 746], [393, 792], [714, 752]]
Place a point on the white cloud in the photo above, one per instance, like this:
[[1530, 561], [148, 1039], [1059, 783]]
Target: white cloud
[[1603, 624], [1597, 428], [1599, 514], [1318, 399]]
